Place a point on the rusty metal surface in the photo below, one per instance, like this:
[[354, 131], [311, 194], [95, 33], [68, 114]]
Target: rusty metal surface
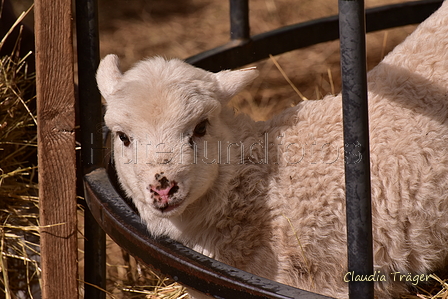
[[182, 264]]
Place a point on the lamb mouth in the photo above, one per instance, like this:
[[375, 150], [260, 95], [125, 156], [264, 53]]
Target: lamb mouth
[[168, 207]]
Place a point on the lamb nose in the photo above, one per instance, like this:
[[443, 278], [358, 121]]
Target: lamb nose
[[165, 192]]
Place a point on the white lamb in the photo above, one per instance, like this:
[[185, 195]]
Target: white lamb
[[268, 197]]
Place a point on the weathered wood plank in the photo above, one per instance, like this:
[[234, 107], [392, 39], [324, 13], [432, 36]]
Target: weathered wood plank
[[56, 148]]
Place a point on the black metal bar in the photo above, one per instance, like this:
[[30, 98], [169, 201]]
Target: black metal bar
[[239, 19], [236, 54], [356, 142], [170, 257], [91, 140]]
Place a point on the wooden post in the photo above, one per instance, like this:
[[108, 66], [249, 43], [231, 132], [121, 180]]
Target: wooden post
[[56, 148]]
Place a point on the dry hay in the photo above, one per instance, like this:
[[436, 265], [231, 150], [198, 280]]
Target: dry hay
[[436, 288], [126, 278], [19, 241], [133, 280]]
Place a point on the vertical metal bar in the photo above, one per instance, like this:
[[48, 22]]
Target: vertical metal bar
[[239, 19], [91, 140], [356, 142]]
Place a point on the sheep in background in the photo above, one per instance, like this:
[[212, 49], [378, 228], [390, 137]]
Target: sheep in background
[[268, 197]]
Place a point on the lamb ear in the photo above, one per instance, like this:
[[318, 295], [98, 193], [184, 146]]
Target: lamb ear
[[108, 75], [232, 82]]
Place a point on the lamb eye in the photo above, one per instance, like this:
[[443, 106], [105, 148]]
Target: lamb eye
[[124, 138], [200, 129]]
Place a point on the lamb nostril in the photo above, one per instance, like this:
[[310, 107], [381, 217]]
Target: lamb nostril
[[164, 183], [173, 189]]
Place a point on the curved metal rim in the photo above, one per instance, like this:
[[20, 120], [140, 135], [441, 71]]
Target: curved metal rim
[[245, 51], [183, 264]]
